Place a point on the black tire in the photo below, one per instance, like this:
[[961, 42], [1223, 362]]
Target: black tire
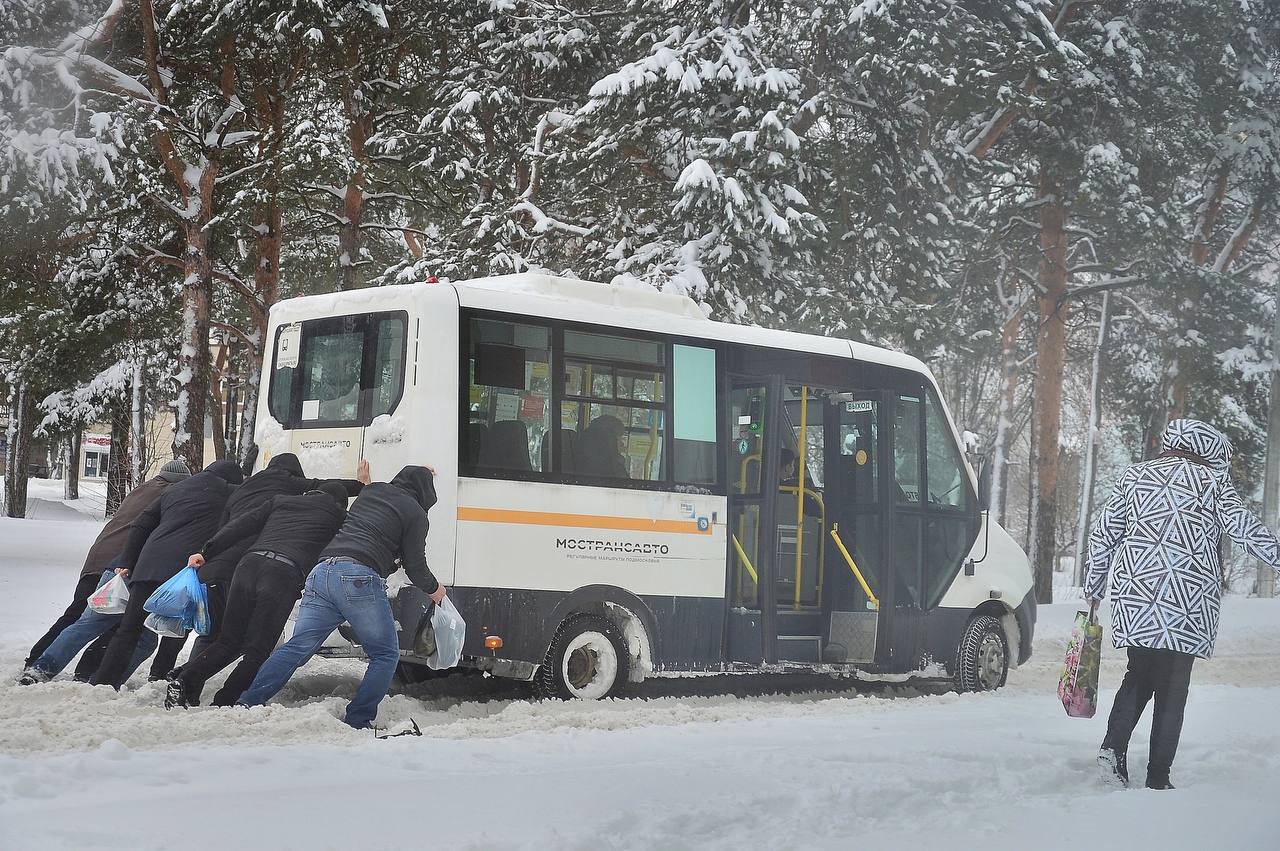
[[982, 659], [579, 664]]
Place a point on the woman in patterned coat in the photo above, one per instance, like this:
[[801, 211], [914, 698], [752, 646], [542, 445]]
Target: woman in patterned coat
[[1157, 541]]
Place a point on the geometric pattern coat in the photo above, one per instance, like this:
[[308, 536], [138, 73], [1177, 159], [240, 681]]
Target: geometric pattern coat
[[1157, 537]]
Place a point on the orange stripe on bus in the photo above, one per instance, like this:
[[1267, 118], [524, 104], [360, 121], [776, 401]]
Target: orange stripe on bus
[[584, 521]]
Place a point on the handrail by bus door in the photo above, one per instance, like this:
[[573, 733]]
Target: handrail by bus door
[[803, 468], [857, 574]]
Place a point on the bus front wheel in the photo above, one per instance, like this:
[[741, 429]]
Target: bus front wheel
[[982, 660], [587, 660]]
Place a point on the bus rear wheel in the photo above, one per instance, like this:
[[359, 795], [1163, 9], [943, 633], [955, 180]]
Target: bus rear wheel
[[587, 660], [982, 660]]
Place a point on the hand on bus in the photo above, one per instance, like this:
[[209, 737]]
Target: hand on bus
[[362, 472], [438, 595], [196, 560]]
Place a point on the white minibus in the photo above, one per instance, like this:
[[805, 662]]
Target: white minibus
[[630, 489]]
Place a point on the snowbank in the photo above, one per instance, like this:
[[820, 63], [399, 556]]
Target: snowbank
[[88, 768]]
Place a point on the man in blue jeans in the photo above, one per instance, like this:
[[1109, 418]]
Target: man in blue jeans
[[387, 522], [74, 638]]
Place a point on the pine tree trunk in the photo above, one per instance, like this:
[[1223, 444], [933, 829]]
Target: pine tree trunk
[[138, 461], [1094, 441], [22, 415], [117, 463], [71, 454], [193, 356], [1050, 361], [359, 128], [1004, 420]]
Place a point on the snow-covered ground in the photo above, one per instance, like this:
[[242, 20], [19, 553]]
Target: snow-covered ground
[[87, 768]]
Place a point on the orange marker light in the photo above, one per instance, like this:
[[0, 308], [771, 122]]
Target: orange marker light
[[493, 642]]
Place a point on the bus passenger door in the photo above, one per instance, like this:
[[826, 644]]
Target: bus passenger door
[[752, 470], [857, 510]]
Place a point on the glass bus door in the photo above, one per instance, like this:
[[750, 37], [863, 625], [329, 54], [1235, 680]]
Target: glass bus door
[[751, 447], [857, 453]]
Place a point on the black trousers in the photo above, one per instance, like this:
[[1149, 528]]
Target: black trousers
[[166, 659], [79, 602], [1166, 676], [115, 663], [262, 595], [91, 658]]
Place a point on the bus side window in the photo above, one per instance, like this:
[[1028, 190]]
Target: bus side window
[[695, 415], [509, 395], [388, 365], [614, 394], [906, 451]]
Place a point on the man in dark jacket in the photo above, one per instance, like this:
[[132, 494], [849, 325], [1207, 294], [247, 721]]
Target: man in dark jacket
[[387, 522], [290, 532], [45, 660], [282, 476], [160, 540]]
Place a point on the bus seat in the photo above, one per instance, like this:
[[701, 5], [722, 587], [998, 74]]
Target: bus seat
[[475, 439], [568, 444], [506, 446]]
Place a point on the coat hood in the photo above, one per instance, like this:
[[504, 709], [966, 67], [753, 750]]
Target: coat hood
[[228, 471], [287, 461], [1201, 440], [419, 482], [335, 491]]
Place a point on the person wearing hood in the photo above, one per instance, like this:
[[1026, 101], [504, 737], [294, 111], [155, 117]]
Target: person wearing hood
[[1156, 544], [283, 476], [80, 625], [160, 540], [386, 524], [290, 531]]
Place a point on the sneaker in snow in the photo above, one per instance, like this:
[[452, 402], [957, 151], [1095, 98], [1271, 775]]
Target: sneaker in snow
[[1113, 766], [33, 676], [175, 695]]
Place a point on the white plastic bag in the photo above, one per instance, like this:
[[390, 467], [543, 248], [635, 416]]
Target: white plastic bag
[[450, 631], [165, 627], [112, 598]]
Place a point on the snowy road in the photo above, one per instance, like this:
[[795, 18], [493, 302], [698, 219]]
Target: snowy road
[[87, 768]]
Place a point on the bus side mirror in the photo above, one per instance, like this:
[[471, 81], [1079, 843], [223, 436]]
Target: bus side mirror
[[984, 483]]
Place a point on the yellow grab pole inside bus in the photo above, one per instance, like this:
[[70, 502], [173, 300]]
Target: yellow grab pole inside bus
[[857, 574], [802, 464], [746, 562]]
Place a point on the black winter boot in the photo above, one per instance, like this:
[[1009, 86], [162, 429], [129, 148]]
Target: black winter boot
[[175, 695], [1158, 781], [1114, 767]]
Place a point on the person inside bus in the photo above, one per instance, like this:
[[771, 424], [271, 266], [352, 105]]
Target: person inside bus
[[789, 484], [600, 449], [386, 528]]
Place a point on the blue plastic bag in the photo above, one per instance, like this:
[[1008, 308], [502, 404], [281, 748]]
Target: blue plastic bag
[[183, 597]]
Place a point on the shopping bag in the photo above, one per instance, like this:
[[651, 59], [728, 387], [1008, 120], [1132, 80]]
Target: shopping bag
[[111, 598], [173, 598], [450, 631], [201, 620], [165, 627], [1078, 685]]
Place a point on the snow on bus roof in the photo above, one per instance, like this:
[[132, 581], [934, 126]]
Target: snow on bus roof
[[577, 300]]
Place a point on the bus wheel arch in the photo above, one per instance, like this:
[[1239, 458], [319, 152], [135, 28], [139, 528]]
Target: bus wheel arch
[[611, 613], [983, 658]]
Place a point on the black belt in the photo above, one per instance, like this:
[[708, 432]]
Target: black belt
[[276, 556]]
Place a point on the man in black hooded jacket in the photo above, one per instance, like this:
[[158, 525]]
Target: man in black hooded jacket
[[282, 476], [162, 537], [290, 532], [388, 522]]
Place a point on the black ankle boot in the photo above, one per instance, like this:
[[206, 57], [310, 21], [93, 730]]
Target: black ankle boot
[[1158, 781], [1114, 766], [175, 695]]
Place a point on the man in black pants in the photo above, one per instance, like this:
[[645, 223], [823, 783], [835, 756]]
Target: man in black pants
[[159, 542], [289, 533], [282, 476], [102, 556]]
